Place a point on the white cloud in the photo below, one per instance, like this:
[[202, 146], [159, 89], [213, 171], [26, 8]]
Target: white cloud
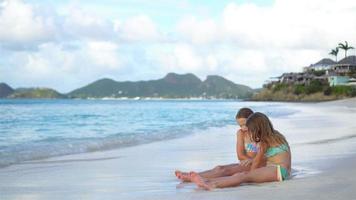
[[212, 62], [245, 42], [186, 58], [300, 24], [82, 24], [262, 41], [104, 54], [22, 26], [290, 24], [138, 29], [51, 60], [250, 61], [198, 32], [51, 66]]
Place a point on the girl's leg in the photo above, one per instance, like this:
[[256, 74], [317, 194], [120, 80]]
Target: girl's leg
[[260, 175], [223, 170], [218, 171]]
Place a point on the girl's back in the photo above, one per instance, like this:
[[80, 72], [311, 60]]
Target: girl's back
[[279, 154], [274, 148]]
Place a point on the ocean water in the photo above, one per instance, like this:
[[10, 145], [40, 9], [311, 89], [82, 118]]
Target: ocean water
[[37, 129]]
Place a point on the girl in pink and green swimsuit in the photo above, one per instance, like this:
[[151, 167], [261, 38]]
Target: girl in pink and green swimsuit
[[272, 162]]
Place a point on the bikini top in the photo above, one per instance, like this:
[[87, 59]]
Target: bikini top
[[251, 147], [272, 151]]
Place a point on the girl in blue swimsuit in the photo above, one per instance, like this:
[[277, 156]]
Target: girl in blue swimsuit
[[272, 162], [246, 150]]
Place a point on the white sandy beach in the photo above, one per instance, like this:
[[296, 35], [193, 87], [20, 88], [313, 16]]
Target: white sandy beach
[[324, 162]]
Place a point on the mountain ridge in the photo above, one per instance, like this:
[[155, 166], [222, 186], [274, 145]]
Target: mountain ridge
[[172, 85]]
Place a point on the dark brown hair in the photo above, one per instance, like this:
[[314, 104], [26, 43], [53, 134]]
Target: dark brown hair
[[262, 130], [244, 113]]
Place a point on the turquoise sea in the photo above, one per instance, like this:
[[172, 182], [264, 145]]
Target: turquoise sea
[[37, 129]]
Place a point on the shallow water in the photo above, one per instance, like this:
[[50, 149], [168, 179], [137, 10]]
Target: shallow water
[[36, 129]]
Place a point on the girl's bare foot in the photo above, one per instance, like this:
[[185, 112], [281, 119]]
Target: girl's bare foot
[[197, 179], [178, 174], [184, 176]]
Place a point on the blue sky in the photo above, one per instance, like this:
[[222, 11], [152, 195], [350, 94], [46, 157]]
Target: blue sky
[[67, 44]]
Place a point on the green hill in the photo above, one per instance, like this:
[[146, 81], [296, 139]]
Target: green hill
[[222, 88], [171, 86], [36, 93], [5, 90]]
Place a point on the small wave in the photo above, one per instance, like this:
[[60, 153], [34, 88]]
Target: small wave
[[275, 110], [329, 140], [52, 147], [71, 160], [57, 146]]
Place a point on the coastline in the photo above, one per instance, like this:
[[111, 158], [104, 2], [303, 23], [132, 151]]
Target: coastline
[[281, 97], [146, 171]]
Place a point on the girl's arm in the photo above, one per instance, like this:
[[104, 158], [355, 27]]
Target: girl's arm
[[240, 147], [259, 160]]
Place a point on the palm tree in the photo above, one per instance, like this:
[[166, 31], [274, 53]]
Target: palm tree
[[345, 47], [334, 52]]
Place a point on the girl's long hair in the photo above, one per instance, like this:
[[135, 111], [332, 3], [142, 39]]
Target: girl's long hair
[[262, 130]]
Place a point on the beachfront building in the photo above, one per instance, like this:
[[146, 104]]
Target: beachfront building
[[346, 66], [325, 71], [301, 78], [295, 78], [323, 64], [343, 73]]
